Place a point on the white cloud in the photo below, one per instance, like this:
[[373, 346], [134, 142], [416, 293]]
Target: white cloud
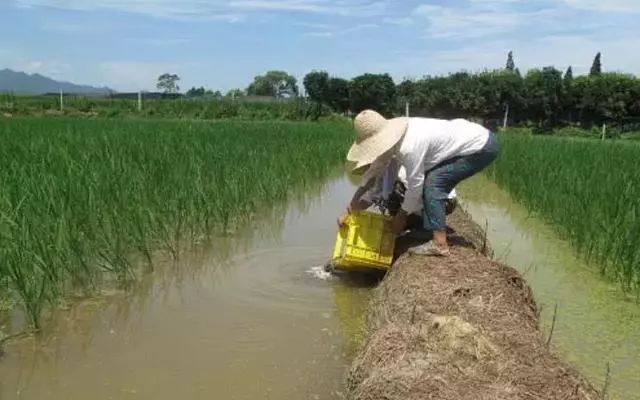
[[558, 51], [280, 5], [353, 8], [399, 21], [214, 9], [32, 66], [18, 62], [137, 75], [326, 27], [66, 27], [333, 31], [225, 10], [606, 5], [475, 21], [160, 41], [326, 34]]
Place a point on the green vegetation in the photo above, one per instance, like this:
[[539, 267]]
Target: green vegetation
[[592, 133], [274, 84], [587, 189], [82, 200], [179, 108], [542, 98]]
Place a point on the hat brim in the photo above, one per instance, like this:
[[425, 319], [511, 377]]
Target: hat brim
[[366, 152]]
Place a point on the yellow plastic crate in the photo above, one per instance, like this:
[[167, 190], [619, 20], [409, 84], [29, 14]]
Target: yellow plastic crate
[[366, 241]]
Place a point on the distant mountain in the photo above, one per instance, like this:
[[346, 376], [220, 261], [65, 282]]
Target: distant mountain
[[21, 83]]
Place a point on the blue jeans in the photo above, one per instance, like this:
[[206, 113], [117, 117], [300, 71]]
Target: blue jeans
[[441, 179]]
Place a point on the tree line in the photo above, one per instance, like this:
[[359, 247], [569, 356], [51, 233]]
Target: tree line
[[544, 98]]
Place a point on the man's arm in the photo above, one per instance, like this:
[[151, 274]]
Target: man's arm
[[357, 202], [413, 163]]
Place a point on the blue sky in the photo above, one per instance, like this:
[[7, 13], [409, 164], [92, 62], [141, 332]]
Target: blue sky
[[222, 44]]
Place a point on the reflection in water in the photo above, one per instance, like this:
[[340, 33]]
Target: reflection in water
[[351, 303], [237, 317], [595, 324]]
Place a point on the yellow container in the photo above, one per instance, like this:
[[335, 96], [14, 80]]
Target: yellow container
[[366, 241]]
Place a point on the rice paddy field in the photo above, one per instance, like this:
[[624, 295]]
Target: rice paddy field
[[587, 190], [88, 202], [182, 108]]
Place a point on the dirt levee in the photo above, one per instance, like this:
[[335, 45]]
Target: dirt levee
[[462, 327]]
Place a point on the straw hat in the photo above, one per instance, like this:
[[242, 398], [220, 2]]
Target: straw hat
[[374, 136]]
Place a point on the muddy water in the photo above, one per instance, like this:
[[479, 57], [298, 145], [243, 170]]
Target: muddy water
[[595, 324], [249, 317]]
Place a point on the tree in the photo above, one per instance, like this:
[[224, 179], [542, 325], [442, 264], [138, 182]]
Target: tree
[[234, 93], [316, 83], [544, 94], [372, 91], [568, 75], [605, 97], [168, 83], [568, 96], [338, 95], [273, 84], [196, 92], [511, 66], [596, 68]]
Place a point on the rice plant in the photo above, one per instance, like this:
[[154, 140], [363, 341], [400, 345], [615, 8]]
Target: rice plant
[[209, 109], [81, 199], [588, 190]]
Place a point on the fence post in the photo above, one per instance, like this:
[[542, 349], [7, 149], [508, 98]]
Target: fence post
[[61, 101], [604, 130], [139, 100]]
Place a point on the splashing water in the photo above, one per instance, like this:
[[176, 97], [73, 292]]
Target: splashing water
[[320, 273]]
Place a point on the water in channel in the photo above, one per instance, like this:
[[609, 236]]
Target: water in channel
[[595, 323], [252, 316]]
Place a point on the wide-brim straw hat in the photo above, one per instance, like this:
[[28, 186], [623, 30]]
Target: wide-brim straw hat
[[375, 135]]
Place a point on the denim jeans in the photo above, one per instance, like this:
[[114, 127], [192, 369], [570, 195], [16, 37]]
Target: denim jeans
[[440, 180]]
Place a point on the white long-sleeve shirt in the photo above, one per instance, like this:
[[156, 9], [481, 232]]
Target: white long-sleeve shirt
[[427, 143]]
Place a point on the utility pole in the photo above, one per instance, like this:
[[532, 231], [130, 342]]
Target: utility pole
[[406, 109], [604, 130], [61, 101], [140, 100]]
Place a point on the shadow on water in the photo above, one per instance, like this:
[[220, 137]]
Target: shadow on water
[[239, 316], [596, 324]]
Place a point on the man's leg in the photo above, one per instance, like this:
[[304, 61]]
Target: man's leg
[[438, 184]]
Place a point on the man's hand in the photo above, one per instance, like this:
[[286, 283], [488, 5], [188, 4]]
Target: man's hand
[[342, 221], [399, 222]]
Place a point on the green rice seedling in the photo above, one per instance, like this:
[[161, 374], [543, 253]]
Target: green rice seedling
[[81, 199], [588, 190], [180, 108]]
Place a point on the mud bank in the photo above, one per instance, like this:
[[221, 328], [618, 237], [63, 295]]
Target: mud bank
[[463, 327]]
